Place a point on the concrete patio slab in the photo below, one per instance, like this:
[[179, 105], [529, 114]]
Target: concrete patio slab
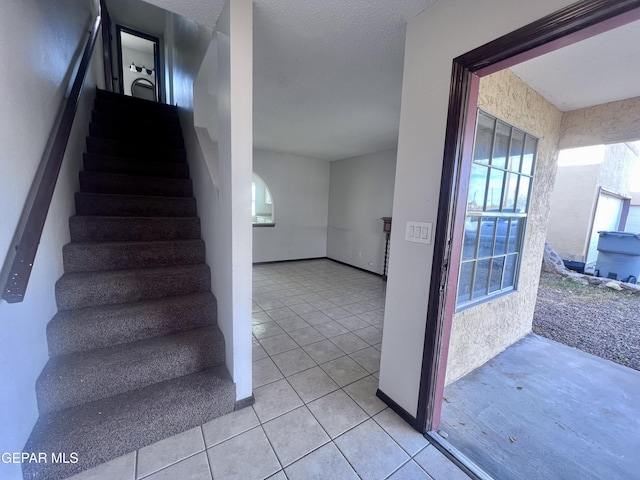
[[544, 411]]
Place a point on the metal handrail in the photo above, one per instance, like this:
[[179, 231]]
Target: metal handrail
[[29, 237]]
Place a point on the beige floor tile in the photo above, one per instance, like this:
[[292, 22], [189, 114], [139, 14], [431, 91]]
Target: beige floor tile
[[405, 436], [265, 371], [123, 467], [168, 451], [344, 370], [229, 425], [248, 456], [410, 471], [193, 468], [306, 336], [337, 413], [331, 329], [295, 434], [312, 384], [371, 452], [275, 399], [438, 466], [278, 344], [364, 393], [349, 343], [325, 462], [368, 358], [293, 361], [323, 351]]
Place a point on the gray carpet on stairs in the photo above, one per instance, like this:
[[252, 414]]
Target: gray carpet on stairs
[[136, 354]]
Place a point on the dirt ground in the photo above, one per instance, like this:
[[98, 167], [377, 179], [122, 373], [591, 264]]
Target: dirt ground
[[594, 319]]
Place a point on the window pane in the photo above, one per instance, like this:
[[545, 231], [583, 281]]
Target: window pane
[[496, 274], [517, 142], [510, 271], [470, 237], [523, 194], [510, 187], [530, 146], [494, 194], [514, 235], [464, 282], [502, 233], [481, 278], [484, 139], [501, 147], [486, 237], [477, 187]]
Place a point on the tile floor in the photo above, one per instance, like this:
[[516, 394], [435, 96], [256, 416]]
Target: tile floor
[[317, 328]]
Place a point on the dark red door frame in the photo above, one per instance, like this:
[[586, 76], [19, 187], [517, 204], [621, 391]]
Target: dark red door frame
[[576, 22]]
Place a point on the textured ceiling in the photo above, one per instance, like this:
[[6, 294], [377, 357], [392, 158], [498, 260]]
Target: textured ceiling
[[601, 69], [328, 75]]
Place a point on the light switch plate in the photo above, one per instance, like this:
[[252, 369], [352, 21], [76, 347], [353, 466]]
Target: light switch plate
[[419, 232]]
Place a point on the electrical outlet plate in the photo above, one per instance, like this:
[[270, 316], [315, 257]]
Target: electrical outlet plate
[[419, 232]]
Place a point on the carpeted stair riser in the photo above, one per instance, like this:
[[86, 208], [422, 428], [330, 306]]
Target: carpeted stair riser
[[89, 328], [138, 167], [70, 380], [110, 100], [134, 205], [138, 110], [95, 182], [89, 228], [86, 289], [103, 146], [124, 423], [105, 256], [162, 125], [137, 135]]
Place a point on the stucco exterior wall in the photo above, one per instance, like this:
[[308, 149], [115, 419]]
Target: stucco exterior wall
[[481, 332], [572, 204], [614, 122]]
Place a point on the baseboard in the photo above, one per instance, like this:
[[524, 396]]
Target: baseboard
[[289, 260], [244, 402], [379, 275], [402, 413]]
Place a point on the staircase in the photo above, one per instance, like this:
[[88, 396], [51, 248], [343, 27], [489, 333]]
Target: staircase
[[135, 351]]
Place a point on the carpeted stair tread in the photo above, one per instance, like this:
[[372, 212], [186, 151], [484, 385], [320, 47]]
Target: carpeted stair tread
[[135, 166], [134, 205], [89, 328], [102, 256], [140, 134], [95, 228], [96, 182], [85, 289], [70, 380], [104, 146], [108, 428]]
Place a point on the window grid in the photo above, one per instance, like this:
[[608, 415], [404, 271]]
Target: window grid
[[502, 169]]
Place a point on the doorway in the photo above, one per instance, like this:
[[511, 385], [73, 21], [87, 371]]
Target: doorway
[[572, 24], [139, 64]]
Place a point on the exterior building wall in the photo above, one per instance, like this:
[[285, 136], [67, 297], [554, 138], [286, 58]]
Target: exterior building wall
[[614, 122], [481, 332], [572, 204]]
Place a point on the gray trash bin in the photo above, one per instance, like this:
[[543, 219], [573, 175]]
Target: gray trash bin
[[619, 256]]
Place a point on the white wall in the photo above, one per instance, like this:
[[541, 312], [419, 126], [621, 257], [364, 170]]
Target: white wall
[[361, 192], [434, 38], [300, 192], [221, 173], [50, 33]]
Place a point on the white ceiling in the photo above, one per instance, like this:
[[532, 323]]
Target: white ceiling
[[328, 73], [601, 69]]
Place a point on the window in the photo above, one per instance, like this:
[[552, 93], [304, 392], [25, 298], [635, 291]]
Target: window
[[497, 209], [261, 203]]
